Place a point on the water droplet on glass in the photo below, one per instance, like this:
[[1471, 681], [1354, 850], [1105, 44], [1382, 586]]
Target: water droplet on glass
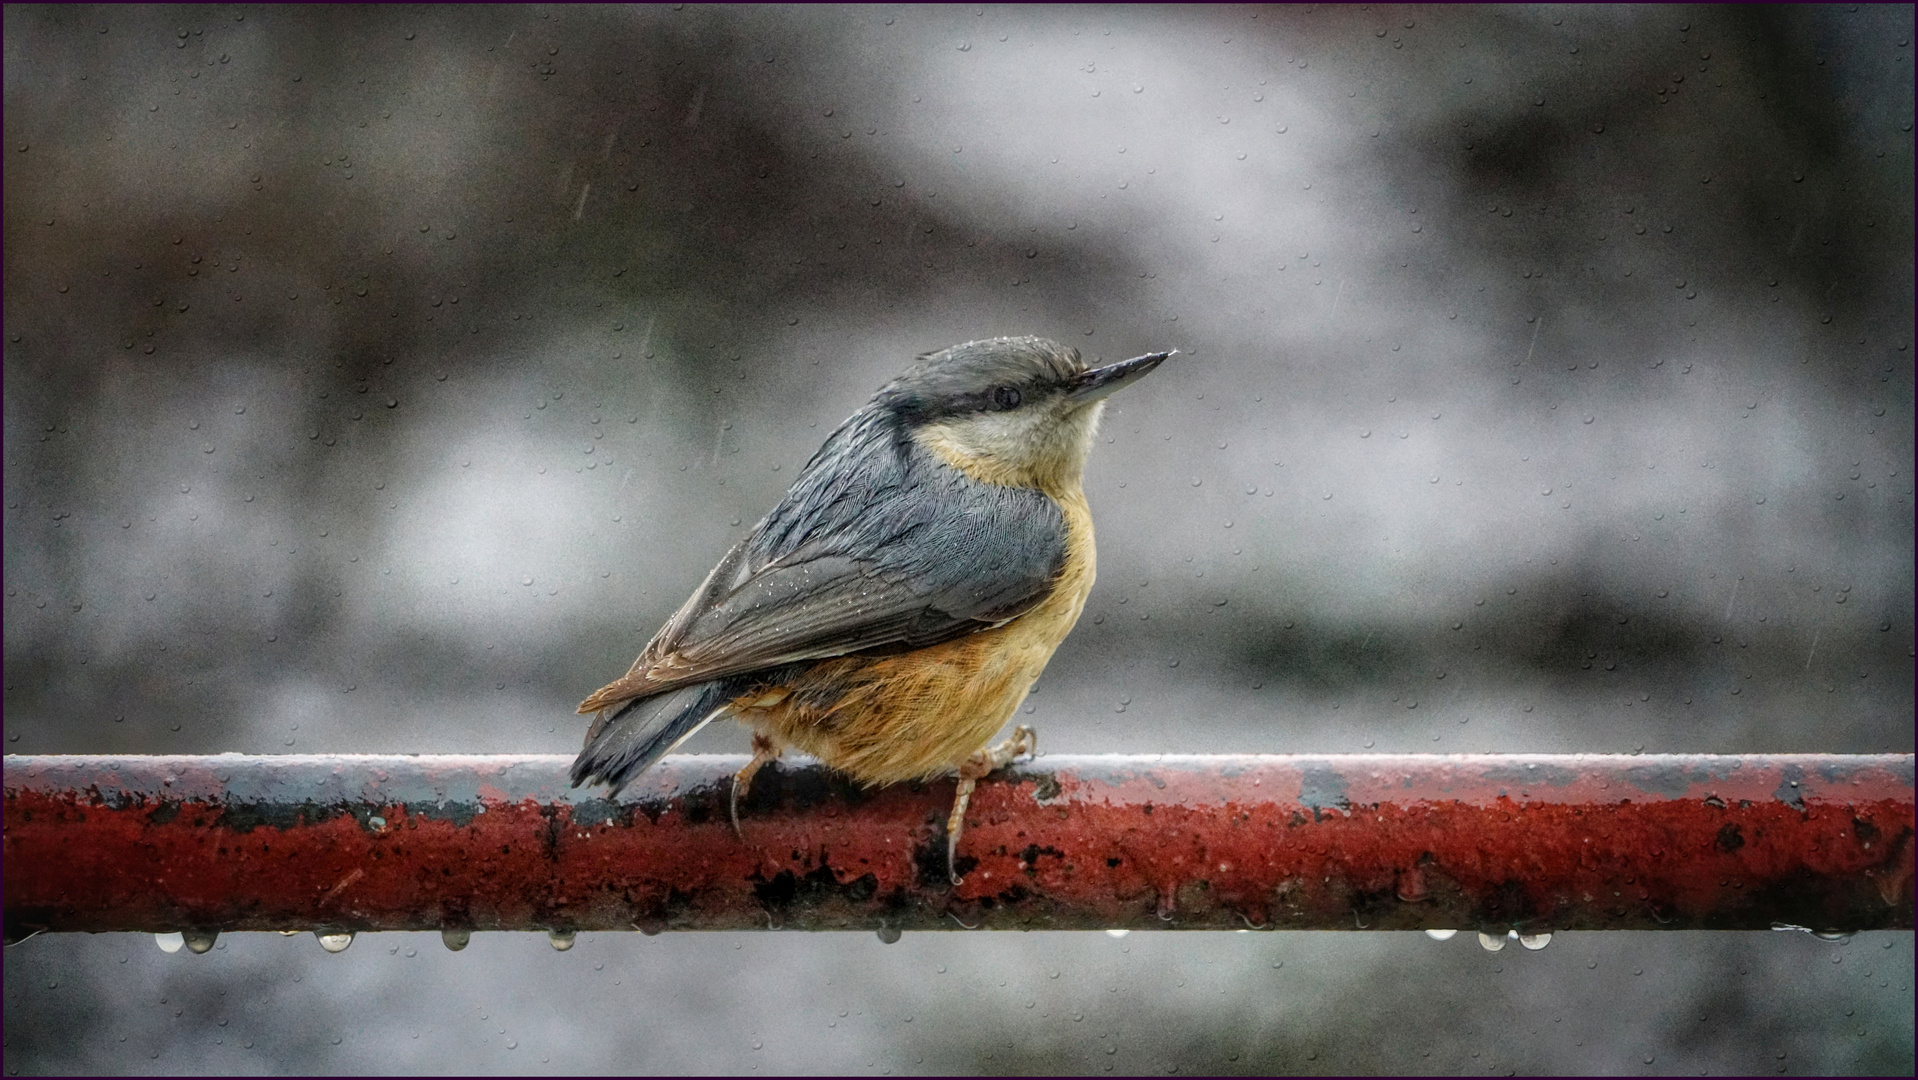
[[334, 942], [455, 940], [170, 943]]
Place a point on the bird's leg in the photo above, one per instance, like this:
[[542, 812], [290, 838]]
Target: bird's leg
[[763, 752], [977, 767]]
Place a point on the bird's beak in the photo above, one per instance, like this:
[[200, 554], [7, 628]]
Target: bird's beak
[[1088, 387]]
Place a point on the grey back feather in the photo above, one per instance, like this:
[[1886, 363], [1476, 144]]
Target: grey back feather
[[878, 543]]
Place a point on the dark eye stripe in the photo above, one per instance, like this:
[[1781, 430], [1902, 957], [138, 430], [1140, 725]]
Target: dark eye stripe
[[916, 409]]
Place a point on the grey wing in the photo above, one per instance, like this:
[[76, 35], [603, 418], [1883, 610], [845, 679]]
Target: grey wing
[[884, 546]]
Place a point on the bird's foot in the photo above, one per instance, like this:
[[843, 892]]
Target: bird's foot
[[1025, 741], [763, 752]]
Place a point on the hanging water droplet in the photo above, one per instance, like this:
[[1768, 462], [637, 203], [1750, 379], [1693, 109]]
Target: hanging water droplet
[[1441, 935], [1489, 942], [170, 943], [1117, 933], [455, 940], [199, 942], [561, 940], [334, 942], [889, 934], [1535, 942]]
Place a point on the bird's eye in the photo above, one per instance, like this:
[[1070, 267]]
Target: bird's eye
[[1005, 397]]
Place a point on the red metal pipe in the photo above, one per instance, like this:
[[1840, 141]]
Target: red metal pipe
[[1530, 842]]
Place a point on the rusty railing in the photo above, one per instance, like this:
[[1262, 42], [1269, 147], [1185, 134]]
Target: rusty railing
[[1525, 843]]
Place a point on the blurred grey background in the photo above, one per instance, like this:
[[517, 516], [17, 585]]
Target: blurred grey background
[[379, 379]]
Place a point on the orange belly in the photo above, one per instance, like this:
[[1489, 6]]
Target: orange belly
[[884, 719]]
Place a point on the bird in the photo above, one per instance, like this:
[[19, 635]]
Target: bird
[[891, 613]]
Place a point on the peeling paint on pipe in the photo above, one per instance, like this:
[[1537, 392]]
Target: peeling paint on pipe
[[1390, 842]]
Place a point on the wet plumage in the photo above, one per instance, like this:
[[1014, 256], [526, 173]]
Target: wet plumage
[[893, 609]]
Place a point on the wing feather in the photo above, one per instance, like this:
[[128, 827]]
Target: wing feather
[[879, 544]]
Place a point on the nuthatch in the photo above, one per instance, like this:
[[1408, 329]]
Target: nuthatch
[[896, 606]]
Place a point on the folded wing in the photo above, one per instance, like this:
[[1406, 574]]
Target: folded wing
[[879, 544]]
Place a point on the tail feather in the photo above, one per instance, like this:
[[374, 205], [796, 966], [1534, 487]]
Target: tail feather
[[611, 696], [626, 738]]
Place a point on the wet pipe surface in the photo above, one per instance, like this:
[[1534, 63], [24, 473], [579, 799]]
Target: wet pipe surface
[[1528, 842]]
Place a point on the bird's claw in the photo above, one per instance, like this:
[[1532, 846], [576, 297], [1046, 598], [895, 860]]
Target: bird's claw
[[763, 752], [1024, 741]]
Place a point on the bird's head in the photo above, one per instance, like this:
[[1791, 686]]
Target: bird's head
[[1016, 411]]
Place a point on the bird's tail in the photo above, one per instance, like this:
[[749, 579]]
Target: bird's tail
[[627, 737]]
